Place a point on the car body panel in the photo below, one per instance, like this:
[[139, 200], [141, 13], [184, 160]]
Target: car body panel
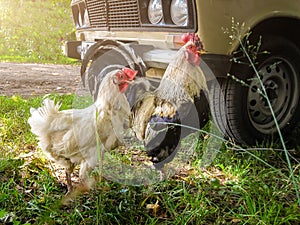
[[213, 17]]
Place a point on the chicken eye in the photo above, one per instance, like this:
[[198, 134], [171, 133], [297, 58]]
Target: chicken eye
[[121, 76], [191, 48]]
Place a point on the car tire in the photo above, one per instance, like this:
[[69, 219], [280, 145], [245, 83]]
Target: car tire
[[239, 109]]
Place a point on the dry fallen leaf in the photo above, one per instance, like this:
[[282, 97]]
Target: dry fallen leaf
[[153, 207]]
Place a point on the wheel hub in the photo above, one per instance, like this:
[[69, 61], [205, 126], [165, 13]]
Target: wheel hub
[[281, 93]]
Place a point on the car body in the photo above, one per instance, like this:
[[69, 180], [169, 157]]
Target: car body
[[240, 113]]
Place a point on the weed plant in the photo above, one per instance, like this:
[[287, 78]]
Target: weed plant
[[251, 52]]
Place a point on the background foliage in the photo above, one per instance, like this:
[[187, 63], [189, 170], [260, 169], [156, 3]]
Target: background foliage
[[34, 31]]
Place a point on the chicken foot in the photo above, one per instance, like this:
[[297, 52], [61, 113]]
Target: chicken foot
[[69, 172], [84, 186]]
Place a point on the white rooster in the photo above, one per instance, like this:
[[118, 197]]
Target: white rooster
[[69, 137]]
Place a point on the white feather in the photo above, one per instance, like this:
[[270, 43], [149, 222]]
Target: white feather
[[69, 137]]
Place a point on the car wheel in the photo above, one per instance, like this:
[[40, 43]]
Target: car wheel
[[243, 113]]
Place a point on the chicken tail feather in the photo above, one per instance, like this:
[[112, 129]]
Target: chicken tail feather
[[40, 118]]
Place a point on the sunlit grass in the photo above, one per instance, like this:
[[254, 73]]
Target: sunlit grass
[[236, 188], [34, 31], [26, 59]]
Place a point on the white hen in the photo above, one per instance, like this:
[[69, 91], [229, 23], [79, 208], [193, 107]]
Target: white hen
[[69, 137]]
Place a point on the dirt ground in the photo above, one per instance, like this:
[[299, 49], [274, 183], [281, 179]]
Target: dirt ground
[[38, 79]]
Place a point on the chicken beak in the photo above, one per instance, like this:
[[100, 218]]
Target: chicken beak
[[201, 52]]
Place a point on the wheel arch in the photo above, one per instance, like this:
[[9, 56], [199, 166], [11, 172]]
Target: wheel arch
[[286, 27], [283, 27]]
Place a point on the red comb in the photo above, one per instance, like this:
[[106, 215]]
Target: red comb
[[187, 37], [130, 73], [194, 38]]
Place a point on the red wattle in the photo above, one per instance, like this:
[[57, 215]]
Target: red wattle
[[123, 87]]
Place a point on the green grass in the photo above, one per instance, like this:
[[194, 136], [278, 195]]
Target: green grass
[[236, 188], [35, 31]]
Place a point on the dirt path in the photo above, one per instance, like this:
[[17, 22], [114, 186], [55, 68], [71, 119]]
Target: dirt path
[[37, 79]]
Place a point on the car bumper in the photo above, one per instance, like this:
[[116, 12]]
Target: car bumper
[[214, 65]]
